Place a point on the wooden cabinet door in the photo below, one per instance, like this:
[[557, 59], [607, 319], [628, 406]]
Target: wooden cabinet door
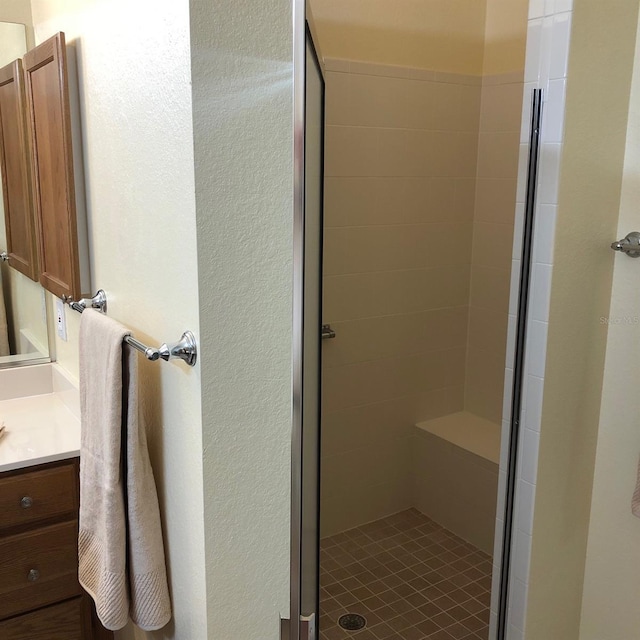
[[16, 167], [65, 621], [38, 567], [49, 118]]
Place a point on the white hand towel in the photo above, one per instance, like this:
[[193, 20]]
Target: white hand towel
[[121, 555], [4, 327]]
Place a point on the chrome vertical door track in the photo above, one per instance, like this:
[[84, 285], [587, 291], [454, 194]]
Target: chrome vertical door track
[[290, 629], [518, 365]]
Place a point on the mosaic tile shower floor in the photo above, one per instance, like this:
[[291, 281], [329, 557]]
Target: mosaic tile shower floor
[[409, 577]]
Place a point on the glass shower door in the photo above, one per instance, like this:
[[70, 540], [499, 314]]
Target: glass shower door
[[307, 355], [314, 143]]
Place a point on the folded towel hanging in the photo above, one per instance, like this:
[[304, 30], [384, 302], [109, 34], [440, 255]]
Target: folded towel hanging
[[121, 554]]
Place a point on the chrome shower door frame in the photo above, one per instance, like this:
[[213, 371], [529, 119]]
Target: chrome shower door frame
[[301, 625]]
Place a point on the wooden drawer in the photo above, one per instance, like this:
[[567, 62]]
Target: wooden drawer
[[34, 496], [66, 621], [52, 553]]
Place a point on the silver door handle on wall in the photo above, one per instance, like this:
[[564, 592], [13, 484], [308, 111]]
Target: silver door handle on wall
[[327, 332], [630, 245]]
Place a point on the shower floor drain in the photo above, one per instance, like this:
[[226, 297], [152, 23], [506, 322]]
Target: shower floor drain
[[352, 622]]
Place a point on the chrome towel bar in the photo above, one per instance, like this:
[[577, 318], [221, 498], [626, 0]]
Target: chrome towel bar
[[185, 349]]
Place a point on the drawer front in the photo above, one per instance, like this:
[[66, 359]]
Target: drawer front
[[66, 621], [34, 496], [38, 568]]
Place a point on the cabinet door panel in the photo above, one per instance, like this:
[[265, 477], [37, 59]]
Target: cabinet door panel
[[35, 496], [49, 119], [38, 568], [66, 621], [15, 165]]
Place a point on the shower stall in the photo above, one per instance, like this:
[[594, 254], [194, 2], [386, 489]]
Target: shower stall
[[416, 287], [420, 196]]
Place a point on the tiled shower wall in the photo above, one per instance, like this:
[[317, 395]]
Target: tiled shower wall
[[498, 147], [400, 179], [548, 39]]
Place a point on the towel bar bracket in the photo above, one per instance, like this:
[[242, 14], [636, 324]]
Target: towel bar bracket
[[629, 245], [185, 349], [99, 302]]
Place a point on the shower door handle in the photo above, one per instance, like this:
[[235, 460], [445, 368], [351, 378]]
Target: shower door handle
[[630, 245], [327, 332]]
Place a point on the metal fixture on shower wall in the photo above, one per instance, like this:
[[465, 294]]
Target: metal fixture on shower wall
[[4, 256], [327, 332], [630, 245]]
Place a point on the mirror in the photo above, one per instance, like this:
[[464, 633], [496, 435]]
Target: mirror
[[24, 337]]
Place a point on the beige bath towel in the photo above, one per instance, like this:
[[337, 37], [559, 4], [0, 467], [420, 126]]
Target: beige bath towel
[[4, 327], [120, 546]]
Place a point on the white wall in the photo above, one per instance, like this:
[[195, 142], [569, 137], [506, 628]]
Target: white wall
[[13, 39], [612, 581], [241, 56], [135, 97], [139, 131], [26, 312], [18, 11]]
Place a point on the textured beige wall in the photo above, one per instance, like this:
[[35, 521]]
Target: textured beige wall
[[135, 93], [591, 169], [242, 108], [441, 35], [612, 583], [400, 178], [495, 197]]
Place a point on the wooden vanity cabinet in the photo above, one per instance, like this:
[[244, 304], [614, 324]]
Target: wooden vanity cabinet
[[54, 132], [40, 596], [15, 165]]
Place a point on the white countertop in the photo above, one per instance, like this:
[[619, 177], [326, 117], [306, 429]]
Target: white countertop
[[39, 428]]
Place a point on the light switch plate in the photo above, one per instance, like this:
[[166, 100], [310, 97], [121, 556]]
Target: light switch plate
[[61, 320]]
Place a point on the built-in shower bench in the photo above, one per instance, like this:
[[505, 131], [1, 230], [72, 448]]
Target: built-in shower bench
[[455, 469]]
